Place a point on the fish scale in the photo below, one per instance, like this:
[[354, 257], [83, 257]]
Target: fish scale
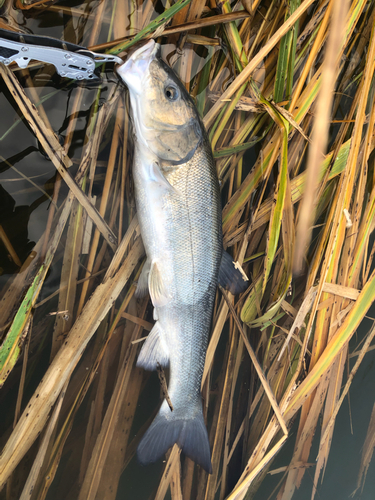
[[194, 238], [198, 247]]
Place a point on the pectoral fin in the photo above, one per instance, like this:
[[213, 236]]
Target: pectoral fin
[[157, 176], [231, 275], [154, 350], [159, 296]]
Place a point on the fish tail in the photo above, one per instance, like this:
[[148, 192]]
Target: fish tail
[[189, 433]]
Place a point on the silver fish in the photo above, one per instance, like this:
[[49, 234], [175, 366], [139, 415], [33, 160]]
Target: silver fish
[[179, 212]]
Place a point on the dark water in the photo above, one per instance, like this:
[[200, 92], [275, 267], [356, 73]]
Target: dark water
[[340, 479]]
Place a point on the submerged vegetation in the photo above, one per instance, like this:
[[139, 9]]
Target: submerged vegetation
[[286, 91]]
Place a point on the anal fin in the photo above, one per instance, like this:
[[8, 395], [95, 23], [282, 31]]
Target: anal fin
[[154, 350], [156, 287], [231, 275], [142, 286]]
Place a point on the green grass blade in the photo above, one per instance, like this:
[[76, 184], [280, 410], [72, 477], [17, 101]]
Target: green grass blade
[[231, 150], [282, 65], [280, 191], [151, 27], [294, 4], [11, 348]]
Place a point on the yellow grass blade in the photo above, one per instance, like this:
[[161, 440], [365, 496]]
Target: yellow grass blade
[[336, 344]]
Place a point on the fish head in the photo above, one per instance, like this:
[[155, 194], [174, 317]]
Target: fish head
[[164, 114]]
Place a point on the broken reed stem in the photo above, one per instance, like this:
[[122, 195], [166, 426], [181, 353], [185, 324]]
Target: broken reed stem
[[170, 467], [8, 245], [39, 459], [257, 366], [239, 492], [189, 26], [103, 205], [28, 330], [163, 385]]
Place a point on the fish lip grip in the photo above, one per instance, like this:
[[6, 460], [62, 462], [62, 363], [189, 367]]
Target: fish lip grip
[[70, 60]]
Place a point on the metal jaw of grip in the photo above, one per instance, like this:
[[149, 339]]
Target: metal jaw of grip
[[70, 60]]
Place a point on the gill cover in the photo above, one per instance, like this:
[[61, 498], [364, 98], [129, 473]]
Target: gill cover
[[177, 144]]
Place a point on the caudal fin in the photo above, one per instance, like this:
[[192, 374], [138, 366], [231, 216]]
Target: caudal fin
[[189, 434]]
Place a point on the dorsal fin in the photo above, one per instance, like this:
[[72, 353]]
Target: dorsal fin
[[231, 275]]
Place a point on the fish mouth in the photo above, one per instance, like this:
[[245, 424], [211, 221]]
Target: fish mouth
[[135, 68], [148, 50]]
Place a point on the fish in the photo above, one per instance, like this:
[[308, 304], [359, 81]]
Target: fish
[[178, 204]]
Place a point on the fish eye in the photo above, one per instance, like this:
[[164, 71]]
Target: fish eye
[[171, 92]]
